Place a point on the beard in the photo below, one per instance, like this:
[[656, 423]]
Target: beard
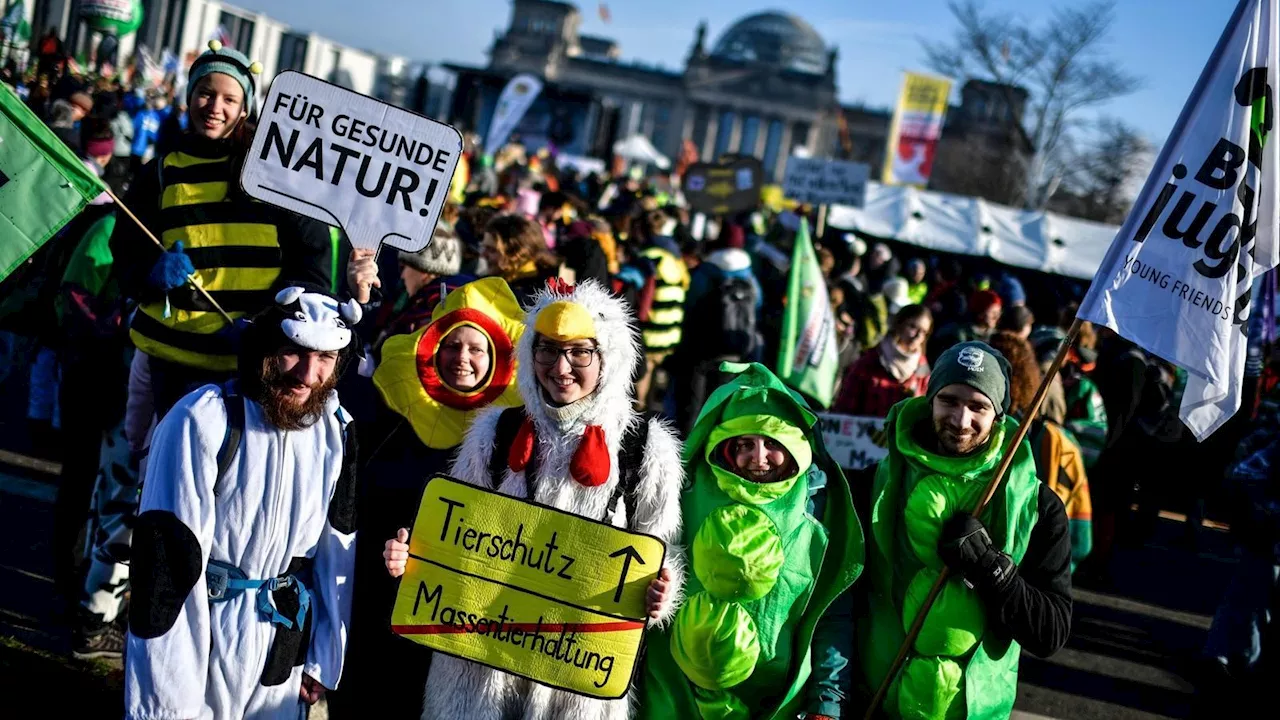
[[274, 395], [958, 443]]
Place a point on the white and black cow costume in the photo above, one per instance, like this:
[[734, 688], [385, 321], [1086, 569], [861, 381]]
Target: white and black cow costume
[[285, 508], [458, 689]]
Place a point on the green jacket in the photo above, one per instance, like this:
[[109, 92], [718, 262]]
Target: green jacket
[[758, 636], [956, 668]]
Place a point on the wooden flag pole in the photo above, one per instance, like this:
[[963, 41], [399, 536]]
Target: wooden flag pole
[[992, 486], [190, 278], [822, 222]]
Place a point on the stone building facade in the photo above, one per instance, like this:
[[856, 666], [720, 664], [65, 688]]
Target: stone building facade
[[765, 87]]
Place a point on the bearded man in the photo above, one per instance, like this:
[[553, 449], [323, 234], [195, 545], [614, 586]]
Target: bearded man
[[1010, 581], [245, 542]]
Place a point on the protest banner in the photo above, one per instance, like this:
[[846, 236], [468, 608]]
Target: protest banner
[[730, 186], [380, 173], [826, 182], [849, 439], [526, 589], [916, 129], [516, 99], [1178, 279]]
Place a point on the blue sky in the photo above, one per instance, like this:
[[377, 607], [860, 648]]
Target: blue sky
[[1164, 41]]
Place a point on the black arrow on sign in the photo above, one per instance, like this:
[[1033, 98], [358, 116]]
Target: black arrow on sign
[[629, 553]]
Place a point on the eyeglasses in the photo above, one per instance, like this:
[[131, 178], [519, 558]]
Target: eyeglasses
[[579, 357]]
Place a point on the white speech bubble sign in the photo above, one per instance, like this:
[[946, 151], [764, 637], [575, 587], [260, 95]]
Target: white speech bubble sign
[[379, 172]]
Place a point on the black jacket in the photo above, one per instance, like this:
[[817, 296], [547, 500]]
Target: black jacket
[[1035, 606]]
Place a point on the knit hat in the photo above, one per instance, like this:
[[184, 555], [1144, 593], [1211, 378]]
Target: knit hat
[[442, 257], [983, 300], [228, 61], [895, 294], [977, 365], [101, 145], [81, 100]]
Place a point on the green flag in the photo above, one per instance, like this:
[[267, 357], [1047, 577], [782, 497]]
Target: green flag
[[807, 356], [42, 183]]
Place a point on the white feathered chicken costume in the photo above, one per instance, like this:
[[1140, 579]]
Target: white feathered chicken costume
[[577, 450]]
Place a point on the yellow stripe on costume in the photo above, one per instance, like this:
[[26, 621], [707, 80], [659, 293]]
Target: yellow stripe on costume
[[655, 340], [233, 278], [667, 316], [222, 235], [669, 293], [194, 193], [182, 160], [155, 348]]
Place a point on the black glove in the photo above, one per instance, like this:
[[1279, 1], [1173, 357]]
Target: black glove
[[966, 548]]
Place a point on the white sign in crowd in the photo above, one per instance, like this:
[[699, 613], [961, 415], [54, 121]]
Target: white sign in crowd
[[379, 172], [826, 182], [849, 440]]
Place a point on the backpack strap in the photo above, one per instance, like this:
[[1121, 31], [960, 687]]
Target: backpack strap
[[508, 425], [630, 460], [235, 432]]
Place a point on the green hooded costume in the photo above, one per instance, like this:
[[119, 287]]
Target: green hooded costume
[[956, 669], [765, 569]]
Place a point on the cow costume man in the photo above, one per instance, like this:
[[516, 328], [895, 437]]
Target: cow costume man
[[244, 546]]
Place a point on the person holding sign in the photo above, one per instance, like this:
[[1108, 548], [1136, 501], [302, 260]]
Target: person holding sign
[[432, 384], [579, 447], [774, 541], [1011, 586], [243, 549], [241, 252]]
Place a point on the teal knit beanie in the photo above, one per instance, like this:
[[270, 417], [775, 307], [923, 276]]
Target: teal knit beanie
[[228, 61], [977, 365]]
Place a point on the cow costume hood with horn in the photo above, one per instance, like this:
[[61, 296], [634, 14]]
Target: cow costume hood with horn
[[573, 453], [244, 544]]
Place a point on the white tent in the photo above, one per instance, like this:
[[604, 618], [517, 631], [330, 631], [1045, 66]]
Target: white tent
[[1042, 241], [637, 148]]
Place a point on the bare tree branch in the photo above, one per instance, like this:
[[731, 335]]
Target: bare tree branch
[[1062, 63]]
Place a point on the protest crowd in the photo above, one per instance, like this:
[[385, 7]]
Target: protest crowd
[[249, 457]]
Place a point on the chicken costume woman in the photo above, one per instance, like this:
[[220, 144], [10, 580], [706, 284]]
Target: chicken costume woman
[[566, 457]]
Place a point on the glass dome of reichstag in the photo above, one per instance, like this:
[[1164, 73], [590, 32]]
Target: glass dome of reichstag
[[774, 38]]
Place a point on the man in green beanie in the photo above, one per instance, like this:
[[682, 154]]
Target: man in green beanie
[[1010, 581], [773, 541]]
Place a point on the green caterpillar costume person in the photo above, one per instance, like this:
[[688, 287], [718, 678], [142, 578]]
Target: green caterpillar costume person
[[1007, 586], [754, 638]]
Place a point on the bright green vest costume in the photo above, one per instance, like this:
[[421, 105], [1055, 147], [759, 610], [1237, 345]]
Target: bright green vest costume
[[764, 569], [956, 668]]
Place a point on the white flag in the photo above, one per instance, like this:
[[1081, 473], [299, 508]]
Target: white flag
[[513, 103], [1178, 277]]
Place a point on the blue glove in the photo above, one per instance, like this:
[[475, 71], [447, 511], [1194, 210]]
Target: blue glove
[[171, 269]]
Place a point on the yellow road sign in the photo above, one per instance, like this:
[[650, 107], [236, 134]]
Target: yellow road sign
[[526, 588]]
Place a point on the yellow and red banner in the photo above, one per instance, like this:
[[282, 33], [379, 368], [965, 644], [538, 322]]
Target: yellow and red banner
[[917, 126]]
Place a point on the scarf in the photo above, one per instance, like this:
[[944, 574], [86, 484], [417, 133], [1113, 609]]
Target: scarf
[[565, 415], [899, 364]]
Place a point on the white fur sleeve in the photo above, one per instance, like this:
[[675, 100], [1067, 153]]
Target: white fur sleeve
[[472, 463], [658, 507], [167, 658]]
